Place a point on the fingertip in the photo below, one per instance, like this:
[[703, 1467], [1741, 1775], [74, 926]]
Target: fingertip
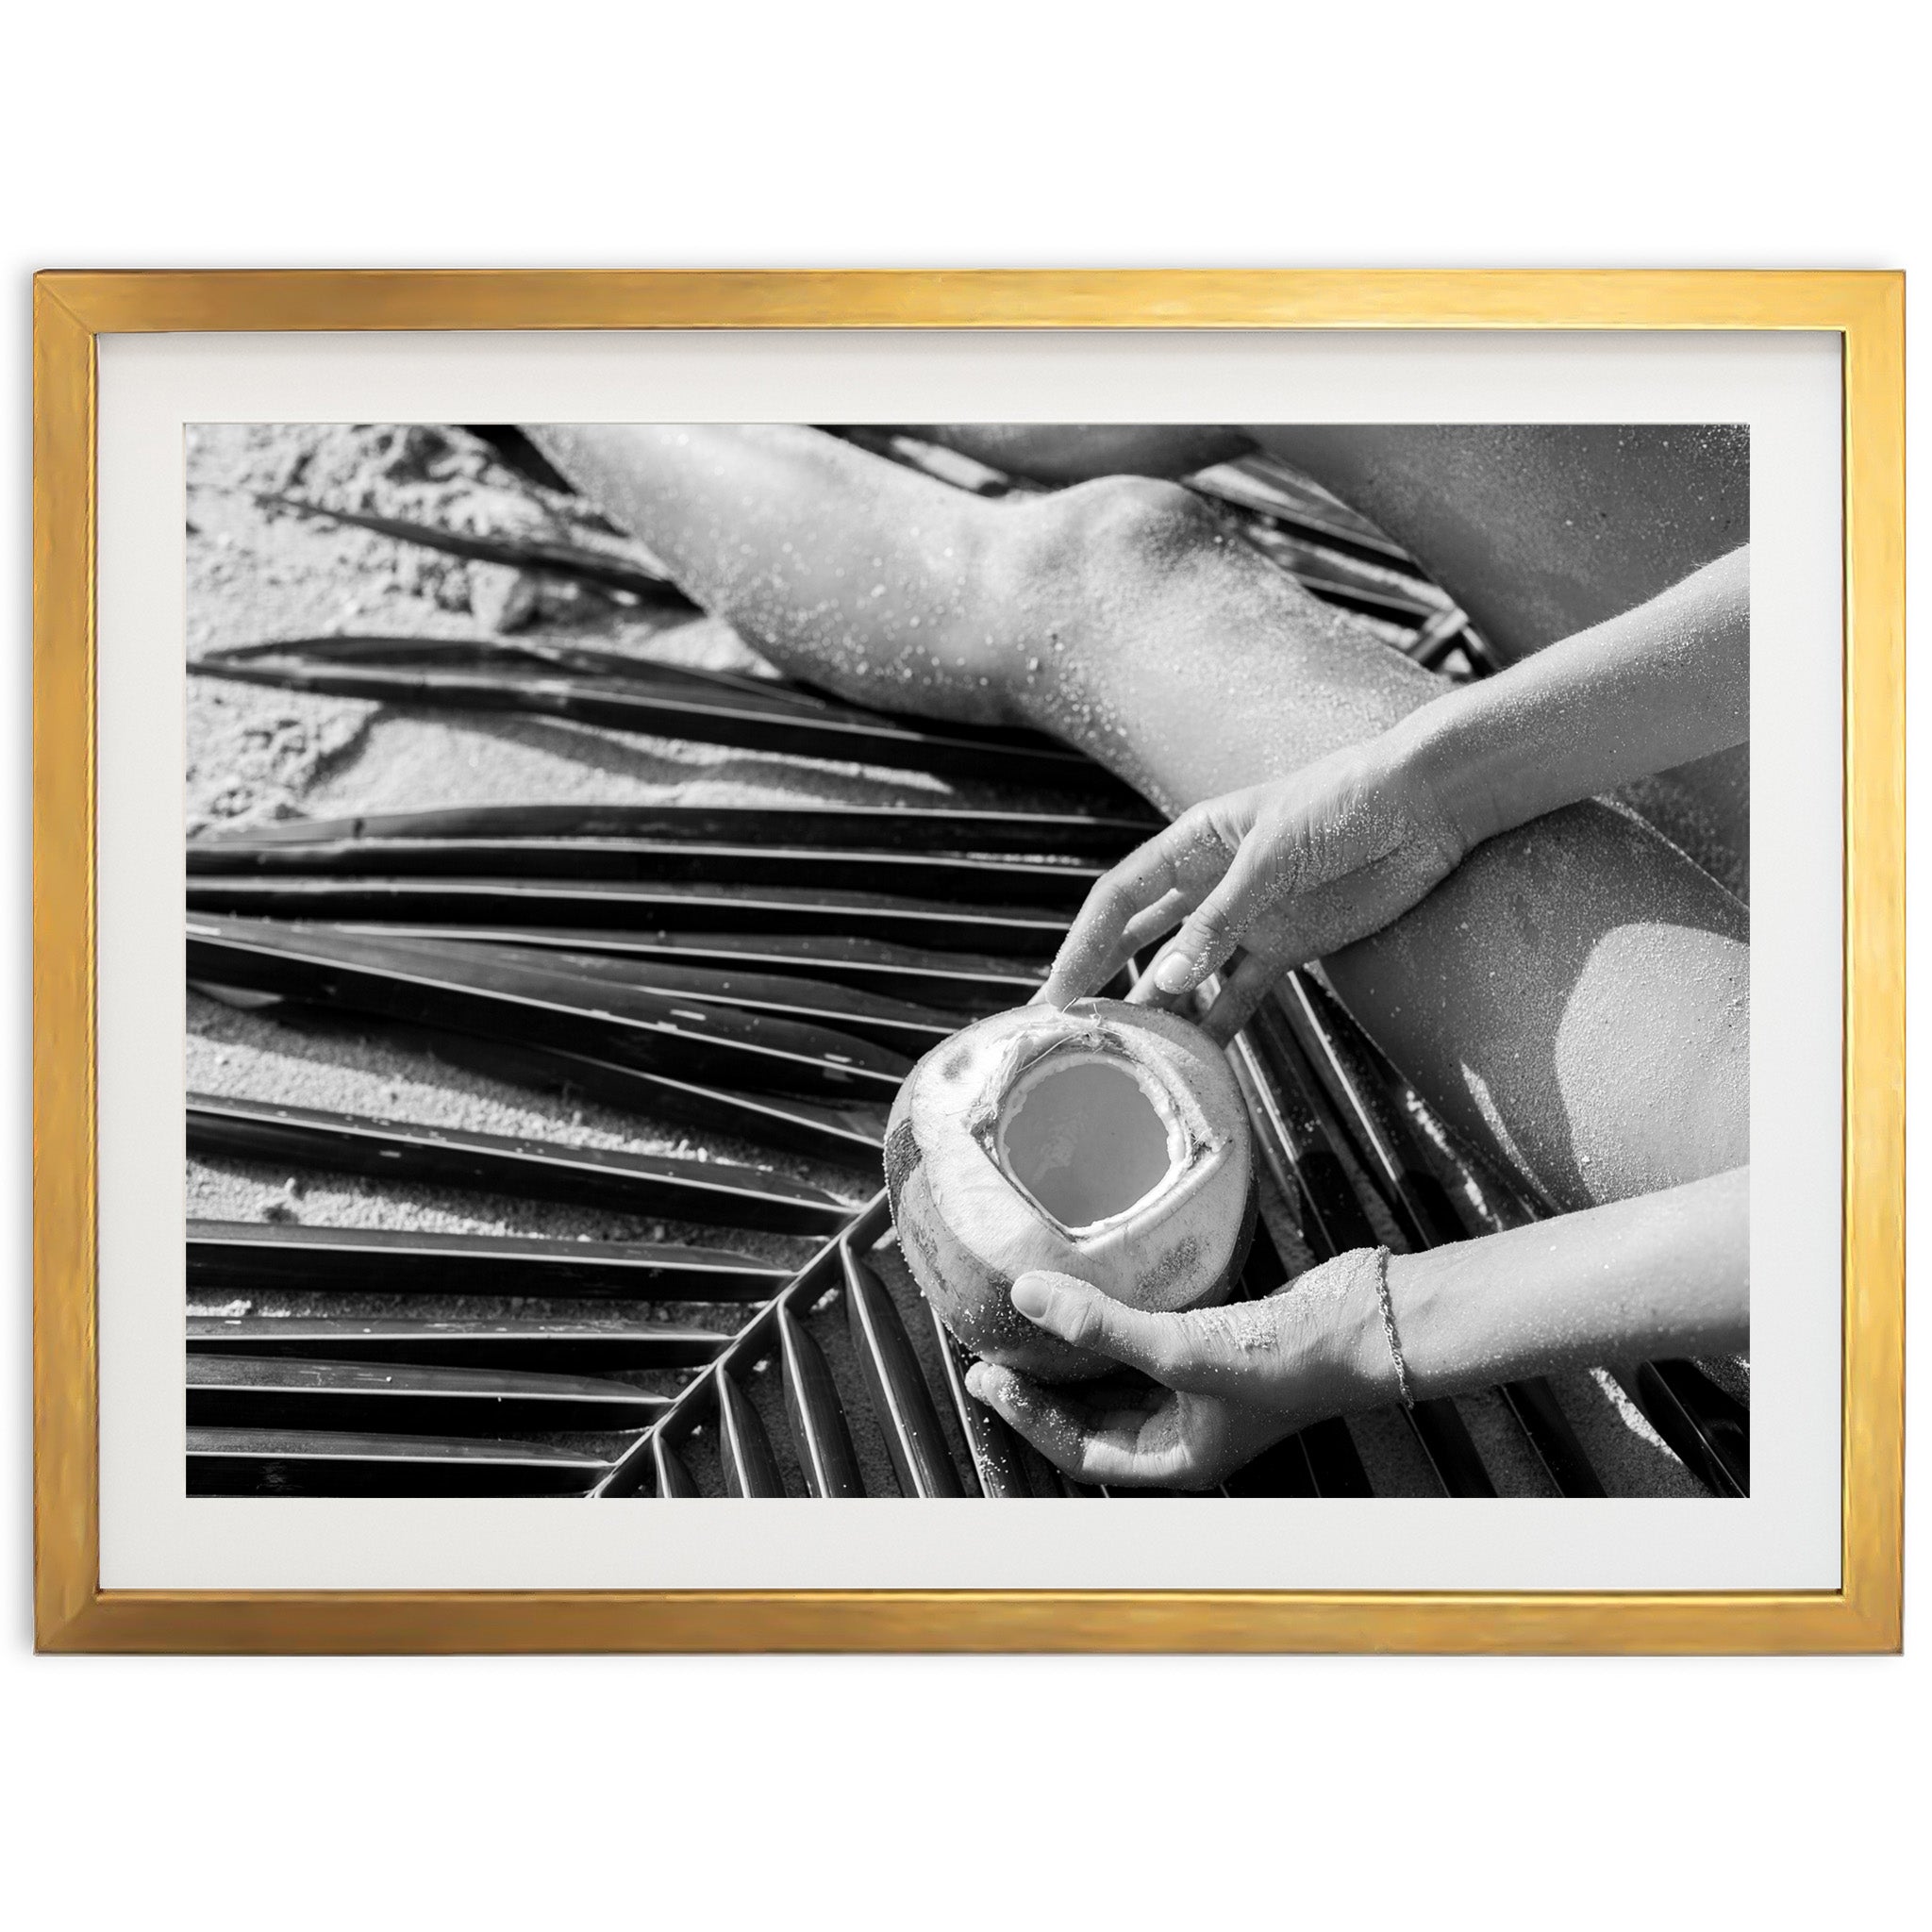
[[1174, 972], [1060, 987], [1223, 1021], [996, 1387], [1241, 997]]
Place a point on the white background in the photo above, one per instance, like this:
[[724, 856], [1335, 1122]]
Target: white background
[[1030, 1791]]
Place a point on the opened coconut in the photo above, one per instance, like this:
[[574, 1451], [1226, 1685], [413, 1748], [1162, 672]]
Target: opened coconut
[[1106, 1141]]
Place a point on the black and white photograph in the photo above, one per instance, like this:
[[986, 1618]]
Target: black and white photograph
[[1005, 960], [843, 762]]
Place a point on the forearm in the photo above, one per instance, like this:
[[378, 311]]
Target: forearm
[[1658, 686], [1660, 1276], [1664, 1276]]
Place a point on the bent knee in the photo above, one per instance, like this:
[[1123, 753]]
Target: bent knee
[[1139, 519], [1112, 528]]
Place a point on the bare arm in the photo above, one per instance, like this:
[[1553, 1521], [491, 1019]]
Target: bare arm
[[1667, 1275], [1666, 682]]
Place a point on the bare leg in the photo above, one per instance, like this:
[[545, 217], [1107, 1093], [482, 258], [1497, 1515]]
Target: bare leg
[[1575, 996], [1541, 530], [1537, 530]]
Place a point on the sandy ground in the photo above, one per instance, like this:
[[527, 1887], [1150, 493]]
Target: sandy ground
[[253, 755]]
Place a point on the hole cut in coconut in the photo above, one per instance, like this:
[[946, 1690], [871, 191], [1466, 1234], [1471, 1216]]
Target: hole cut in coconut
[[1082, 1137]]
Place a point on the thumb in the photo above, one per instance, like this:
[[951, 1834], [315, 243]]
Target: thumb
[[1173, 1349]]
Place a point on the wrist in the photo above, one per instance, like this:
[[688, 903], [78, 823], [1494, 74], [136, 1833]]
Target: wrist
[[1348, 1366], [1441, 754]]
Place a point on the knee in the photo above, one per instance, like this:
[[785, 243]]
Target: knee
[[1114, 530], [1138, 520]]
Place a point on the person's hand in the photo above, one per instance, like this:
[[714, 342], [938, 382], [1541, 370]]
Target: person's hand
[[1287, 872], [1129, 1435], [1227, 1381]]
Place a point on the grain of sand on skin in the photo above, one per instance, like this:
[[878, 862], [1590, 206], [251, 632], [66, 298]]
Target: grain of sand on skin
[[255, 755]]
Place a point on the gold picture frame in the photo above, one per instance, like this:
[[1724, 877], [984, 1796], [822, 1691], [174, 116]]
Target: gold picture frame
[[74, 1613]]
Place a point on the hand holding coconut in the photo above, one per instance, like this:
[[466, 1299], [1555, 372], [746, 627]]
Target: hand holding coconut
[[1664, 1274], [1104, 1142], [1227, 1381], [1075, 1191]]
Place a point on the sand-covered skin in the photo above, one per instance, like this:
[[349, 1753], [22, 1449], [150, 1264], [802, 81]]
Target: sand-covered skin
[[253, 755]]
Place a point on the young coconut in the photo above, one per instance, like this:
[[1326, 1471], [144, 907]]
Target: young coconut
[[1106, 1142]]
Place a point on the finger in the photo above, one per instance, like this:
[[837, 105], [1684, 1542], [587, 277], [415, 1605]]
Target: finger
[[1117, 1449], [1059, 1427], [1165, 914], [1138, 882], [1163, 918], [1263, 872], [1200, 1351], [1242, 988], [1078, 1313], [1142, 931], [1146, 994], [1144, 876]]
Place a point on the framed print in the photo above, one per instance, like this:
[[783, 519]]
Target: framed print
[[851, 896]]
